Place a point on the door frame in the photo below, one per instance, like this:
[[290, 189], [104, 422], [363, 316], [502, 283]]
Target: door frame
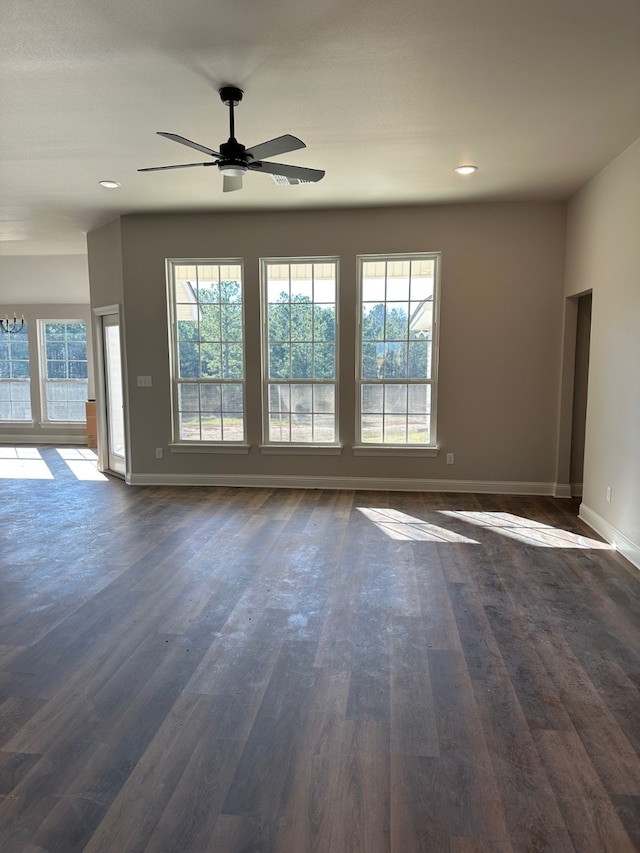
[[100, 387]]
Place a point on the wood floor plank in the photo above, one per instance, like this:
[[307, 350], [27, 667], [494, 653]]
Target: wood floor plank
[[341, 801], [414, 729], [26, 807], [478, 642], [349, 794], [264, 780], [69, 825], [13, 713], [157, 780], [589, 814], [472, 845], [609, 750], [247, 644], [235, 834], [472, 795], [154, 777], [362, 789], [313, 807], [531, 809], [93, 695], [628, 809], [191, 817], [536, 692], [419, 811], [370, 682], [13, 768], [9, 653], [336, 640], [434, 569]]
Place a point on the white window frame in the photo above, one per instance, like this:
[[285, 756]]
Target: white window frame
[[295, 445], [362, 448], [23, 333], [45, 381], [180, 444]]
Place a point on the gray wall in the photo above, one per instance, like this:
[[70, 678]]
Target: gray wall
[[603, 255], [105, 265], [44, 279], [501, 318]]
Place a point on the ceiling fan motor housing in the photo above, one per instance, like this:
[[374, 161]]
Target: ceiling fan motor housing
[[230, 95], [234, 159]]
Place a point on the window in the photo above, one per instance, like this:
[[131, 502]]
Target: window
[[207, 350], [397, 352], [299, 363], [15, 388], [63, 370]]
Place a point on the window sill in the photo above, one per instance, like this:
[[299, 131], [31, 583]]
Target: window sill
[[81, 425], [301, 449], [207, 447], [393, 450]]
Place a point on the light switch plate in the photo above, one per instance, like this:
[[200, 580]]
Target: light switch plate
[[144, 382]]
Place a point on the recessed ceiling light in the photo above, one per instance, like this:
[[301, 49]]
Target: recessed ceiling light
[[466, 170], [110, 185]]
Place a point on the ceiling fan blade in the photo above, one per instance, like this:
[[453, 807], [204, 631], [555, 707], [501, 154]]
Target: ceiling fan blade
[[180, 166], [279, 145], [184, 141], [300, 172], [231, 183]]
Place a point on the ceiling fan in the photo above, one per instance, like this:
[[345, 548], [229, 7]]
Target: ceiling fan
[[233, 159]]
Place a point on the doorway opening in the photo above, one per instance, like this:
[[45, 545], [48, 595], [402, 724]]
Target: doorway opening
[[580, 393], [110, 392]]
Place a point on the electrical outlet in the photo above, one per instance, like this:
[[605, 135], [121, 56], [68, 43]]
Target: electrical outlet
[[159, 453], [449, 458], [608, 493]]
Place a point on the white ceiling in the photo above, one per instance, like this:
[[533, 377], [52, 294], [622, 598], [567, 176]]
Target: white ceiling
[[389, 97]]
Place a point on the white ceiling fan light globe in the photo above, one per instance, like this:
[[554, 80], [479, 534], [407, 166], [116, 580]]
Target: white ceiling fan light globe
[[233, 170]]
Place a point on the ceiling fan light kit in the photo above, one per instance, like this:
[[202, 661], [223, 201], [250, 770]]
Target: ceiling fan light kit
[[233, 169], [234, 160]]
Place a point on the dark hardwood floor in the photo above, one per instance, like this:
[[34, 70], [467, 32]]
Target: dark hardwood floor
[[216, 670]]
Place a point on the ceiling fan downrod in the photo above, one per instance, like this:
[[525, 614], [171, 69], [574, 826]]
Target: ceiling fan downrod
[[231, 96]]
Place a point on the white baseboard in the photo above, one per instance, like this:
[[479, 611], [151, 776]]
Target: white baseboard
[[562, 490], [40, 440], [611, 534], [386, 484]]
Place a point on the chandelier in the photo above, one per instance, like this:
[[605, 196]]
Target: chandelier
[[12, 327]]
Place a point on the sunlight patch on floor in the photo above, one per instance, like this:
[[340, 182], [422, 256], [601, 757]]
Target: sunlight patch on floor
[[525, 530], [27, 463], [82, 462], [401, 526], [23, 463]]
